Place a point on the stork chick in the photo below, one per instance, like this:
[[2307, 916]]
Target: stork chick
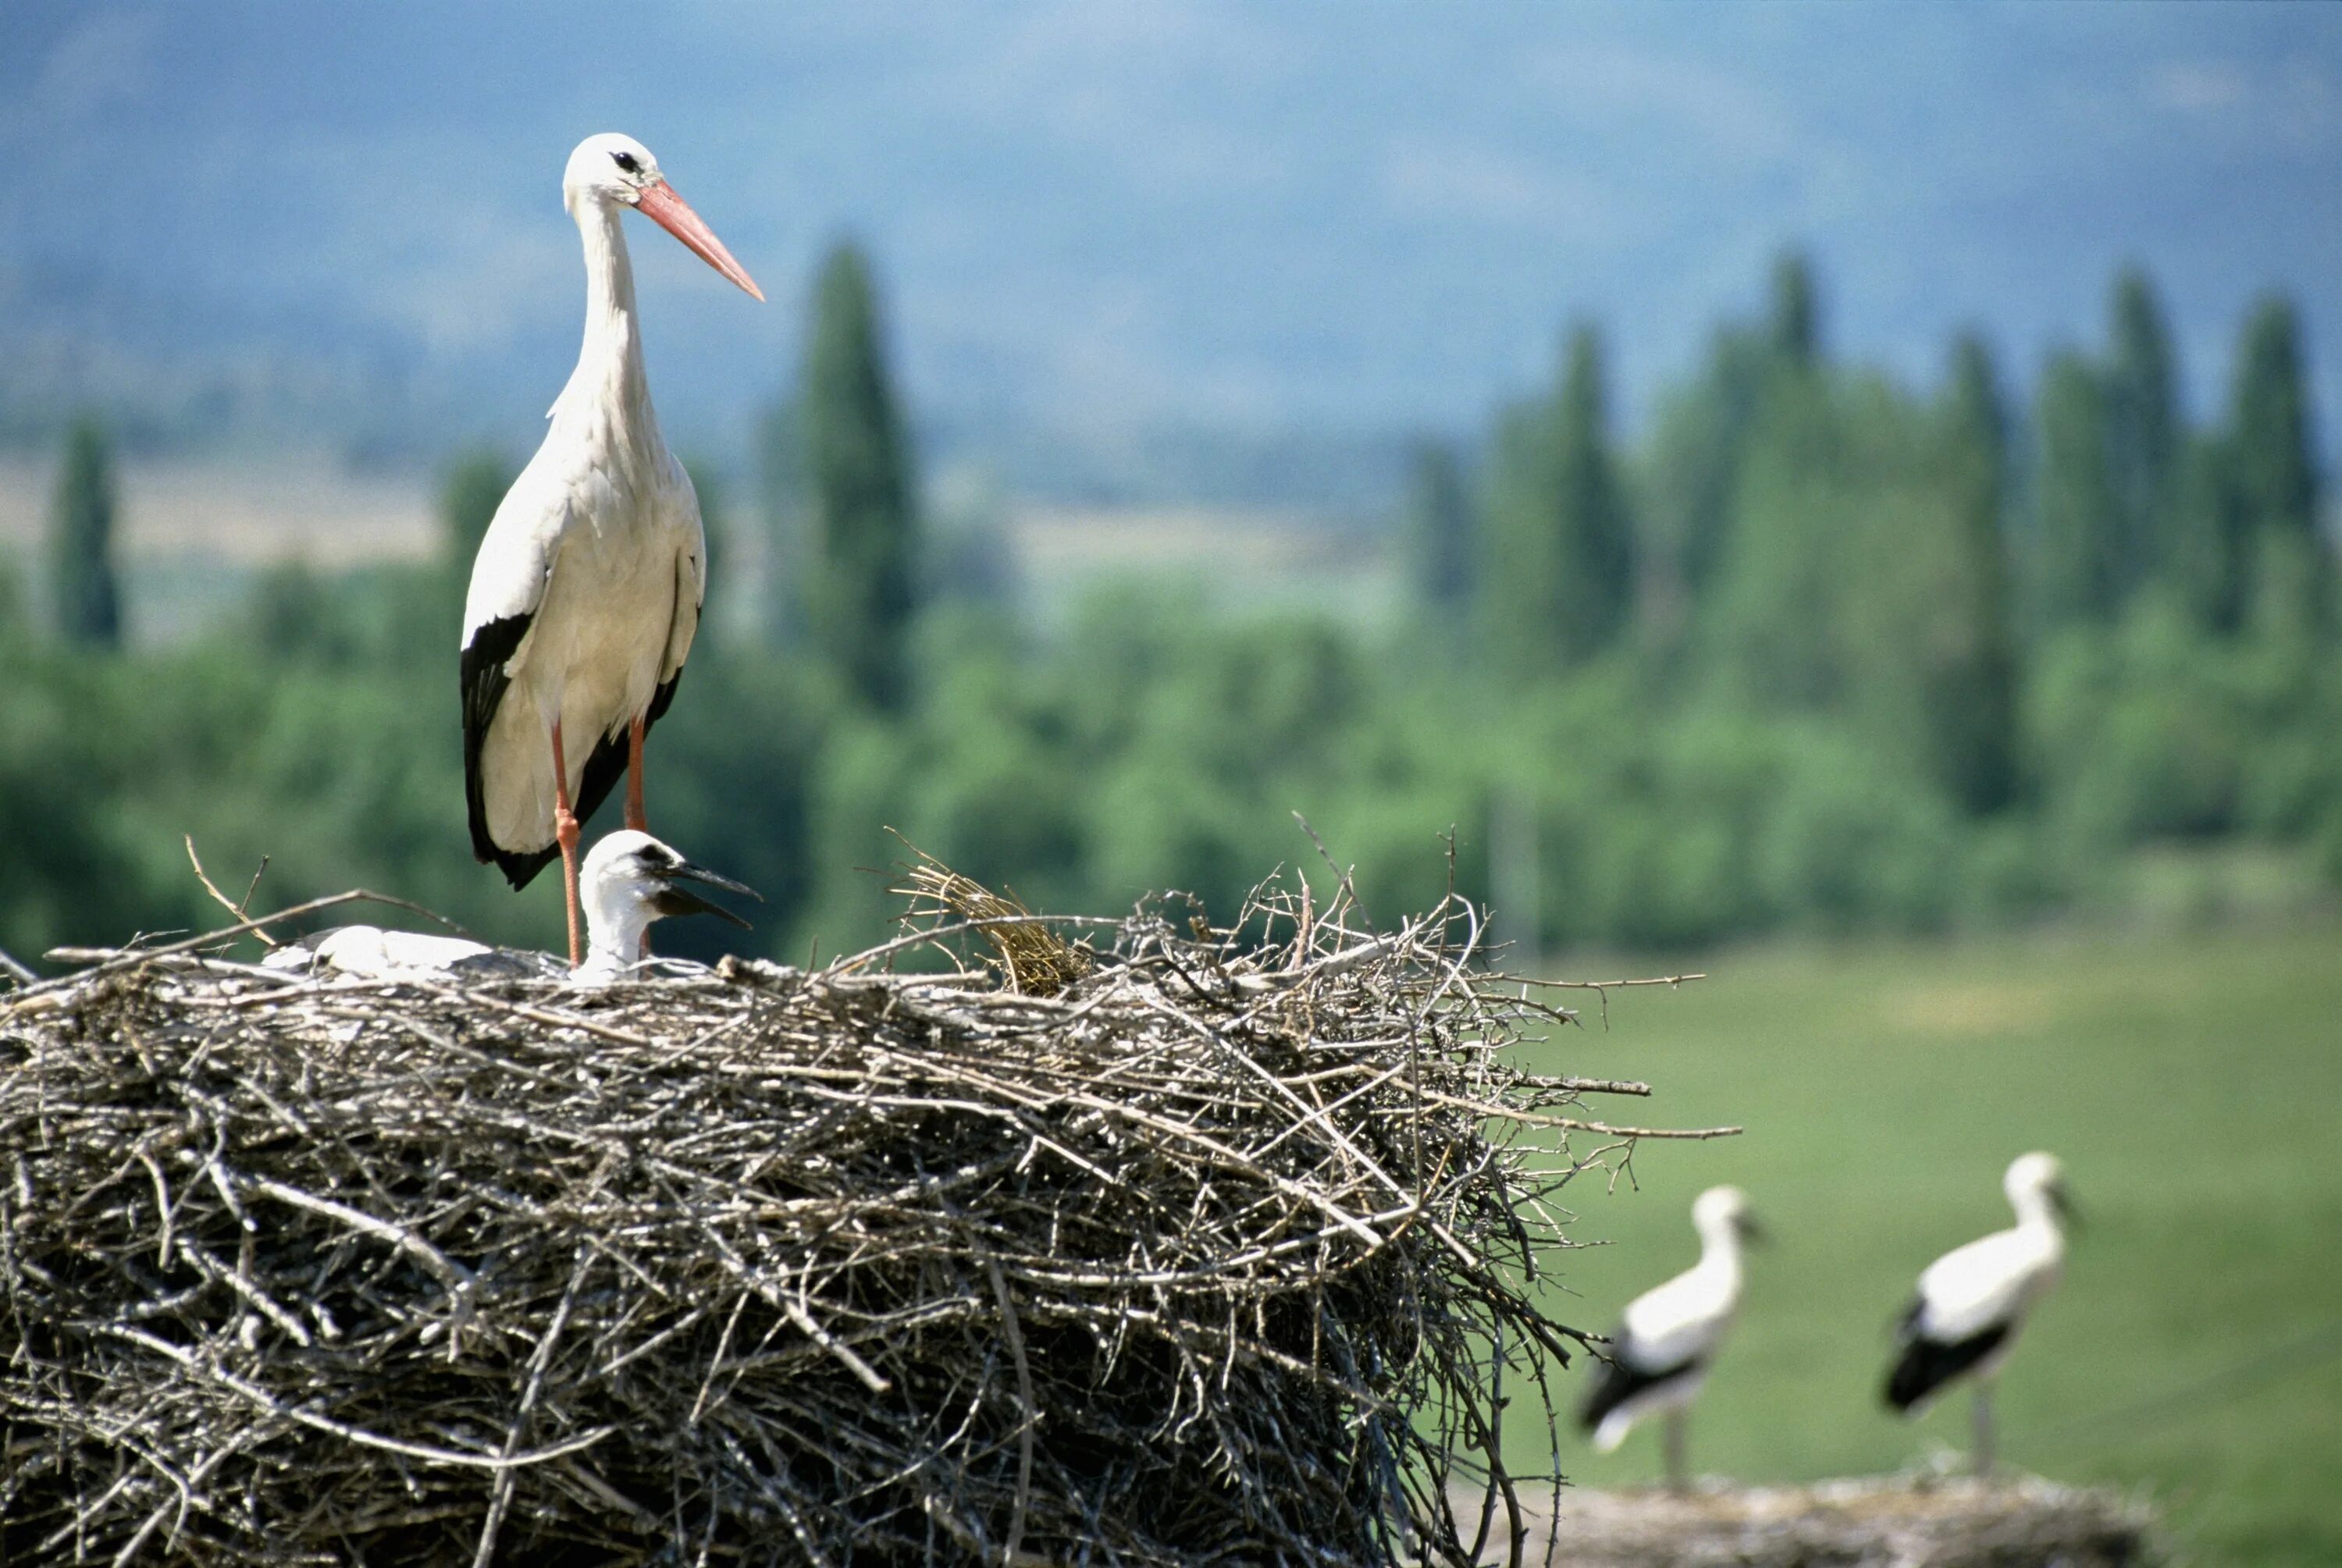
[[631, 879]]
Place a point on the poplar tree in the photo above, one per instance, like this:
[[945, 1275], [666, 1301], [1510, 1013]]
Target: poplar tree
[[2143, 445], [2274, 470], [864, 523], [87, 596], [1976, 706], [1598, 587], [2211, 557], [1795, 318], [1560, 570], [1439, 525], [2078, 567], [469, 494]]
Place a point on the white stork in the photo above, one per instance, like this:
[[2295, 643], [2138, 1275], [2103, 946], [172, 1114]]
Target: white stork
[[586, 590], [1973, 1300], [1668, 1338], [630, 880]]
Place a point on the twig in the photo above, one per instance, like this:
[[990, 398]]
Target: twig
[[221, 898], [316, 906]]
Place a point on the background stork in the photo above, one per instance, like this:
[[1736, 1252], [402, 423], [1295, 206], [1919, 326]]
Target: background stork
[[585, 593], [1667, 1337], [1974, 1299]]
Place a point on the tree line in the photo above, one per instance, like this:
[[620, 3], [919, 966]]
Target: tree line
[[1818, 651]]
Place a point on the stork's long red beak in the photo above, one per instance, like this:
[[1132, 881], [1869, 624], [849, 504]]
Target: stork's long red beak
[[671, 212]]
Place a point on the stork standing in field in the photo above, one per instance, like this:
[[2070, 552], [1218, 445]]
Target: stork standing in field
[[630, 880], [1973, 1300], [586, 590], [1668, 1338]]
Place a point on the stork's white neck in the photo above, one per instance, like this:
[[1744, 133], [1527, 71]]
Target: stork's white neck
[[1719, 1251], [2036, 1212], [608, 388]]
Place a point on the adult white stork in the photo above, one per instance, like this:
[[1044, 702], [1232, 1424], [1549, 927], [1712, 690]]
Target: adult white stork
[[1668, 1337], [585, 594], [1973, 1300], [630, 880]]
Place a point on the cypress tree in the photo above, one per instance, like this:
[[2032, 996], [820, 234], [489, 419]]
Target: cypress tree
[[2211, 556], [469, 494], [788, 554], [1439, 525], [81, 542], [1561, 579], [2142, 428], [1976, 696], [2273, 469], [1598, 587], [2077, 554], [860, 595], [1693, 477], [1795, 324]]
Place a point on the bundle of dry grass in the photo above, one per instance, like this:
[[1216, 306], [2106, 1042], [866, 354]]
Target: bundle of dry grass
[[1218, 1254]]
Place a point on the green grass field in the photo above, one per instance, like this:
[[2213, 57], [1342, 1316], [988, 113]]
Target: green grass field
[[2192, 1084]]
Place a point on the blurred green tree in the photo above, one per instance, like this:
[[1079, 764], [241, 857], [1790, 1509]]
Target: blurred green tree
[[1689, 477], [1974, 689], [787, 555], [2142, 430], [1775, 627], [865, 519], [2274, 469], [1796, 322], [1439, 525], [1560, 572], [2210, 556], [2077, 564], [471, 490], [291, 614], [469, 494], [83, 585]]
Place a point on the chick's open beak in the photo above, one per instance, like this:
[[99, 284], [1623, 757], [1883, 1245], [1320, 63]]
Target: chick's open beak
[[671, 900]]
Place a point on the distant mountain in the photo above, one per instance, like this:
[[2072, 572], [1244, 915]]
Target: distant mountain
[[1111, 230]]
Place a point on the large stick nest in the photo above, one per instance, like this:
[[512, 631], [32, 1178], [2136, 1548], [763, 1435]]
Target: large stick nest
[[1222, 1254]]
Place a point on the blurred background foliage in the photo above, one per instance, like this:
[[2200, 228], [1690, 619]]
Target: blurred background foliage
[[1823, 652]]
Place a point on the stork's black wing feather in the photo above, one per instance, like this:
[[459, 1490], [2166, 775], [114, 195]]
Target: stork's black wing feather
[[485, 656], [1621, 1380], [1926, 1365]]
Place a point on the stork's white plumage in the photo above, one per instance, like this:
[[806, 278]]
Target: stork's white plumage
[[1668, 1337], [1974, 1299], [585, 594], [629, 881]]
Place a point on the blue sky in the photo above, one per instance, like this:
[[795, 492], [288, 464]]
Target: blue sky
[[1355, 217]]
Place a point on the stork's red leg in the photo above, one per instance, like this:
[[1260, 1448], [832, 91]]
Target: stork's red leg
[[635, 817], [565, 832]]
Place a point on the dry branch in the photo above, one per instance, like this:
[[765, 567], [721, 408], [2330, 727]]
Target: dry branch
[[1219, 1253]]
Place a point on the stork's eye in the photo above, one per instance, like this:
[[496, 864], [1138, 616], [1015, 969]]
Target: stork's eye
[[626, 162]]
